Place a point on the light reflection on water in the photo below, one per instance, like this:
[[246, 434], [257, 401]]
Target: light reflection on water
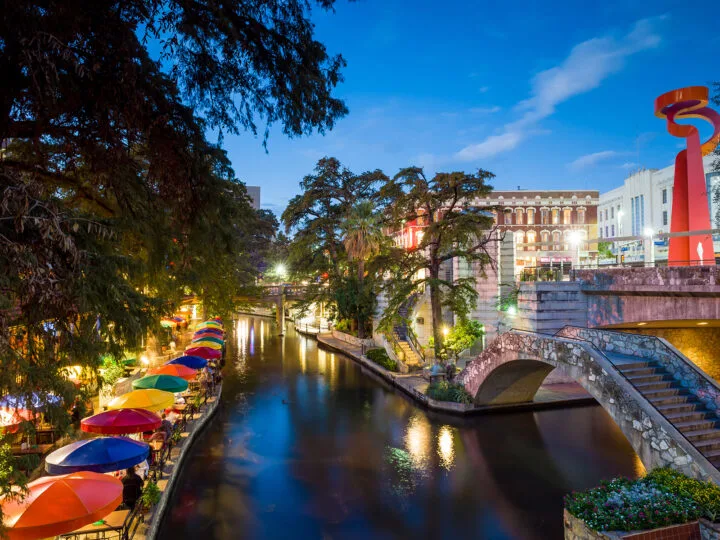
[[307, 445]]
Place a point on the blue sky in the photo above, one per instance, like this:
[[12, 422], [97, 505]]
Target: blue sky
[[548, 97]]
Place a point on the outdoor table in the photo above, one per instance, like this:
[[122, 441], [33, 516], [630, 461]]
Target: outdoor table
[[112, 523], [45, 435]]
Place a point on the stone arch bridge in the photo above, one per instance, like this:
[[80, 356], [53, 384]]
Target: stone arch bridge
[[665, 406]]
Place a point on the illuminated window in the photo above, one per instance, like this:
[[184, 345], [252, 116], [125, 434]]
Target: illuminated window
[[531, 239], [530, 216], [555, 216], [567, 216], [519, 216]]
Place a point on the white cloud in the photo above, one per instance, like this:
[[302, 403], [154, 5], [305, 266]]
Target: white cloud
[[628, 165], [586, 67], [485, 110], [484, 89], [592, 159], [494, 144]]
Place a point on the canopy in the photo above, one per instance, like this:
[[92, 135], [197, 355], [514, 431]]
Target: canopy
[[168, 323], [208, 331], [176, 370], [101, 455], [121, 421], [161, 382], [61, 504], [210, 324], [216, 340], [204, 352], [193, 362], [150, 399]]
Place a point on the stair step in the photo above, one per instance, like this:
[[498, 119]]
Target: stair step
[[712, 433], [648, 370], [712, 454], [649, 378], [708, 445], [665, 392], [668, 400], [657, 385], [678, 407], [633, 365], [688, 416], [695, 425]]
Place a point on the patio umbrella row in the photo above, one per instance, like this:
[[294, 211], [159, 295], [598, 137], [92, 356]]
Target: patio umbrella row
[[79, 494]]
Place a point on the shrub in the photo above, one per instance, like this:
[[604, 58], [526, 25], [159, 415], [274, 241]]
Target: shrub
[[381, 358], [446, 391], [150, 496], [705, 494]]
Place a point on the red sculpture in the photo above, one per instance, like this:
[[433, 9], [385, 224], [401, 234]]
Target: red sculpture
[[690, 211]]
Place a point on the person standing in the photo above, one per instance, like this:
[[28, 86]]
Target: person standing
[[132, 488]]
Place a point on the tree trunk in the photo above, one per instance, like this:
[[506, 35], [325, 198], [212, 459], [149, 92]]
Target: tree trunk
[[436, 307], [360, 317]]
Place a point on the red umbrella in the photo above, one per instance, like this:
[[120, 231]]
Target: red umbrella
[[61, 504], [121, 421], [175, 370], [204, 352]]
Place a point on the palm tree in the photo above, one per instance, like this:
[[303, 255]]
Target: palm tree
[[363, 239]]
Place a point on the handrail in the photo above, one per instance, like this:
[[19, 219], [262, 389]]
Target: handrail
[[395, 346], [410, 334]]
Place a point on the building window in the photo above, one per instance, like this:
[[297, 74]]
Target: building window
[[544, 216], [600, 216], [606, 215], [606, 231], [555, 216], [545, 239], [581, 215], [530, 216], [508, 216], [612, 231], [601, 232], [665, 217], [612, 212], [637, 214], [567, 216], [556, 240], [519, 216], [664, 196], [531, 239], [519, 239]]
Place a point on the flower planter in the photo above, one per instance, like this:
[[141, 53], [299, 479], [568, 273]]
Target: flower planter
[[576, 529]]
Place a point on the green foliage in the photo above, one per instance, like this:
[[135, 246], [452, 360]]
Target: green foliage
[[463, 336], [705, 494], [343, 325], [151, 495], [626, 505], [381, 358], [111, 373], [509, 298], [12, 481], [604, 250], [447, 391]]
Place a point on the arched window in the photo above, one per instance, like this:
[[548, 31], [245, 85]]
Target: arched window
[[531, 239], [519, 215], [508, 216], [567, 216], [545, 216], [519, 239], [581, 215], [556, 240], [530, 212], [555, 212], [545, 239]]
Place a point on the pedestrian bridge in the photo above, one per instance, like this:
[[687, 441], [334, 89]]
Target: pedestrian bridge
[[665, 406]]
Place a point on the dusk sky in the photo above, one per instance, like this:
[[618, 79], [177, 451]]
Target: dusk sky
[[542, 96]]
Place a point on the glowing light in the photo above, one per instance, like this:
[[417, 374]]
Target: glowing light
[[648, 232], [512, 311], [445, 331], [418, 440], [280, 270], [704, 323], [642, 323], [446, 449], [144, 360], [575, 237]]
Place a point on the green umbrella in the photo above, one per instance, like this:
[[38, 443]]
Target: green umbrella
[[213, 339], [167, 383]]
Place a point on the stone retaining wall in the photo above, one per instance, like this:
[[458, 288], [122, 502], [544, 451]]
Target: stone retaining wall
[[352, 340], [576, 529]]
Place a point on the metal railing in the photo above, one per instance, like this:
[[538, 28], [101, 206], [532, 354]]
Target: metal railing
[[412, 338]]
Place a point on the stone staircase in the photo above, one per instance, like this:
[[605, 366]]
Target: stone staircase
[[698, 424], [411, 358]]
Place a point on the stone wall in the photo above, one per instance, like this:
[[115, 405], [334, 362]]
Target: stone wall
[[547, 306], [658, 349], [352, 340], [513, 364], [701, 345]]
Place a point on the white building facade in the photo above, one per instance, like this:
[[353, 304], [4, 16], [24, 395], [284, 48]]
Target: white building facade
[[643, 206]]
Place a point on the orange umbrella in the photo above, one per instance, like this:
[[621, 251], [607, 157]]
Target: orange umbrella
[[60, 504], [175, 370]]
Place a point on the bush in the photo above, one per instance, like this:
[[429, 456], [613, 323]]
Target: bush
[[446, 391], [627, 505], [150, 496], [705, 494], [381, 358]]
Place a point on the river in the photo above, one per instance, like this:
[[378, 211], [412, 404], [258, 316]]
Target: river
[[308, 445]]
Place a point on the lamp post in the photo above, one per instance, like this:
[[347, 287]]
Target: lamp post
[[649, 234]]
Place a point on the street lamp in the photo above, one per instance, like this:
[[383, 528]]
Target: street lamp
[[280, 271], [649, 233], [575, 240]]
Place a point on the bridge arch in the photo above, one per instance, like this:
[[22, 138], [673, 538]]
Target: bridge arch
[[515, 364]]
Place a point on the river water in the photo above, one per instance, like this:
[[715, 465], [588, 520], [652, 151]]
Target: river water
[[309, 445]]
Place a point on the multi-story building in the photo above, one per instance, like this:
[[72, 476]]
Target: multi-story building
[[633, 215], [551, 228], [254, 194]]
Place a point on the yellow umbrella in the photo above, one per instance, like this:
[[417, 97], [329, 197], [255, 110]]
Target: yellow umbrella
[[149, 399], [208, 344], [211, 324]]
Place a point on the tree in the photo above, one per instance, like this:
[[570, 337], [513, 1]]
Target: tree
[[445, 206], [363, 239], [316, 217], [463, 336]]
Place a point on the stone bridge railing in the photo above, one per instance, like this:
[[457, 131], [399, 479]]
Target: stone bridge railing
[[658, 349], [512, 368]]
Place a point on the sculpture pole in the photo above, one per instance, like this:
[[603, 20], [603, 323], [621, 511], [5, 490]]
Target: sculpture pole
[[690, 210]]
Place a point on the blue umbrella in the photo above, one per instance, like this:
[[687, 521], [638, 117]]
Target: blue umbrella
[[101, 455], [193, 362], [36, 401], [210, 330]]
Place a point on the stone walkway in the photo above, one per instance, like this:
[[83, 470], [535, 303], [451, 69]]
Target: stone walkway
[[549, 395]]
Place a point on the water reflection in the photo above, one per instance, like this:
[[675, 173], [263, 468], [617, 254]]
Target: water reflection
[[308, 445]]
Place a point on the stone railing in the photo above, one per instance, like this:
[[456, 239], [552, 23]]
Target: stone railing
[[703, 280], [683, 370], [352, 340]]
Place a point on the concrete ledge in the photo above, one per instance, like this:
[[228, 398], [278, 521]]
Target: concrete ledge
[[156, 516]]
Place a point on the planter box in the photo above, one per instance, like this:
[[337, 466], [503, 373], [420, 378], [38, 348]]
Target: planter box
[[576, 529]]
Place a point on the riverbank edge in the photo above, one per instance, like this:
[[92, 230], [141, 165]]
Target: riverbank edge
[[458, 409], [162, 506]]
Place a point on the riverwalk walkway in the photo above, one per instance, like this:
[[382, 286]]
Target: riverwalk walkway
[[414, 385]]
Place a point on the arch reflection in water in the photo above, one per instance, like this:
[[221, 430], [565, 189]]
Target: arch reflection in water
[[335, 454]]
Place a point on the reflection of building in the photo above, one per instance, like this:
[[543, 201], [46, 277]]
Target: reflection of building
[[254, 194], [644, 203], [550, 228]]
